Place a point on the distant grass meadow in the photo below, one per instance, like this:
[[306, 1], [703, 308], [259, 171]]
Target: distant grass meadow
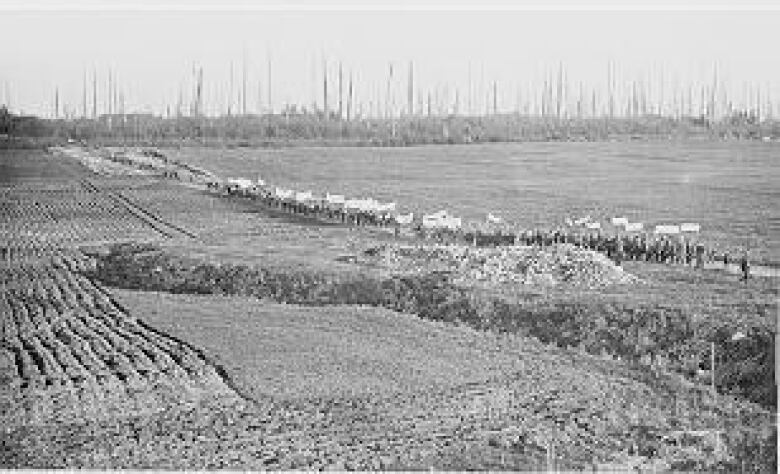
[[728, 187]]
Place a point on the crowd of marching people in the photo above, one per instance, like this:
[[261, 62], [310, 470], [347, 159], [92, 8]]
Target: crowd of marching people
[[331, 207], [624, 241], [671, 244]]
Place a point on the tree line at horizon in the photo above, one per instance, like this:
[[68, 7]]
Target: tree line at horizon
[[293, 124]]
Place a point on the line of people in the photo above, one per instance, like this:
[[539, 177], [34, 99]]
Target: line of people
[[629, 246], [311, 207], [637, 247]]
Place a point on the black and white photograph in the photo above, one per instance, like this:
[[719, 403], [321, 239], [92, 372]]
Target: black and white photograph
[[389, 235]]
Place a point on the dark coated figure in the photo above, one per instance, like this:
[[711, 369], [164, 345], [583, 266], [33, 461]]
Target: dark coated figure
[[744, 266], [619, 251], [699, 255]]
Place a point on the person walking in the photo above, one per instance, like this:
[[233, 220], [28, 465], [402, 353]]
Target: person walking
[[680, 250], [619, 251], [699, 255], [744, 265], [689, 247]]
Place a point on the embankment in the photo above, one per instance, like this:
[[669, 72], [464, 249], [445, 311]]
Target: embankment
[[676, 336]]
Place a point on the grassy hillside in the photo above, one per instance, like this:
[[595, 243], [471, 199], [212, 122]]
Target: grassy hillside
[[375, 377], [667, 326]]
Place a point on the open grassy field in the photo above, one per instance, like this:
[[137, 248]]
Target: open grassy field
[[394, 378], [730, 188], [295, 358], [296, 352]]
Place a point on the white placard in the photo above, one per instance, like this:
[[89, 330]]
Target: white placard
[[690, 227], [667, 229]]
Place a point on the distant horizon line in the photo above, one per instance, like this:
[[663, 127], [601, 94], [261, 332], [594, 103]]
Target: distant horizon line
[[333, 116]]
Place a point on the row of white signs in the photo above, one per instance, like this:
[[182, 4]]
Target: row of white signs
[[442, 219], [367, 205], [638, 226]]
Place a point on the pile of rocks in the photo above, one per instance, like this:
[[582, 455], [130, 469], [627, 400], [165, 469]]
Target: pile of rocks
[[559, 264]]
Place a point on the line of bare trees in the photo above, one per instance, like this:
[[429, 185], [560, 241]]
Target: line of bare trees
[[293, 125]]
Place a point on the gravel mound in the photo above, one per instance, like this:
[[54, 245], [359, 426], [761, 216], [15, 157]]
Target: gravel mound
[[562, 264]]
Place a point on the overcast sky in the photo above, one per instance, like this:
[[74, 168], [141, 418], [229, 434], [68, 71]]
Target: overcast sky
[[152, 51]]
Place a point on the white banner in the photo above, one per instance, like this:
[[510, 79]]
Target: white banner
[[436, 222], [404, 219], [241, 183], [353, 203], [493, 219], [284, 193], [388, 207], [667, 229], [303, 197], [634, 226], [335, 198], [437, 215]]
